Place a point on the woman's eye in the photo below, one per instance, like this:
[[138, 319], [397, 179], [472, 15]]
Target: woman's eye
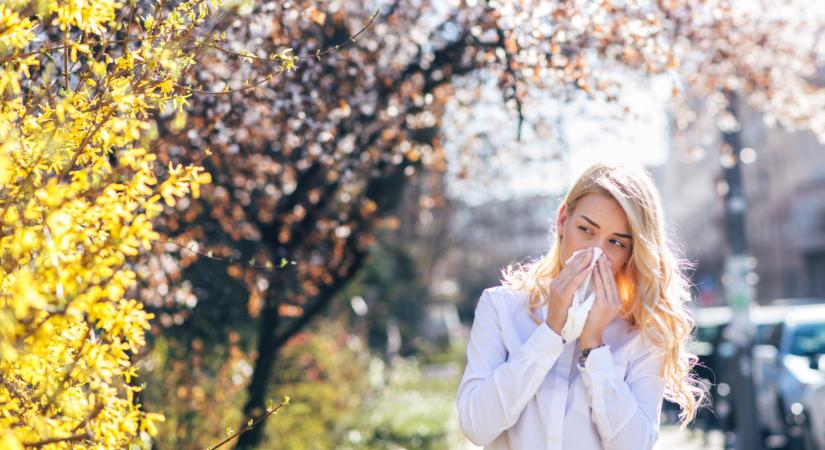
[[619, 243], [585, 229]]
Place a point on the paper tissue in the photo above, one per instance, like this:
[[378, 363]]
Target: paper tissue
[[583, 300]]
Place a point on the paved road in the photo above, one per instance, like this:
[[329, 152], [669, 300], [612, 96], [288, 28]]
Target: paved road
[[672, 439]]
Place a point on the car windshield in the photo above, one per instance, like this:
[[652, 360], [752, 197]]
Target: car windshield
[[809, 339]]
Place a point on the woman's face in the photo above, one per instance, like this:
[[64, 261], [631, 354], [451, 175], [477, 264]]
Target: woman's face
[[597, 221]]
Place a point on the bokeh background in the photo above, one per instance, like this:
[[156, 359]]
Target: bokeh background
[[372, 166], [391, 182]]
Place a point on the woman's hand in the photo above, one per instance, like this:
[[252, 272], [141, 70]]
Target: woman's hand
[[563, 287], [607, 305]]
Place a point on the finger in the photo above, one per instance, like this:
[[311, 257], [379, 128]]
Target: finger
[[583, 264], [605, 282], [611, 284], [598, 284], [604, 275], [578, 265], [576, 280], [577, 258], [615, 292], [586, 257]]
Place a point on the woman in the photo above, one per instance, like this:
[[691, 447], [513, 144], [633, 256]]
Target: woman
[[525, 388]]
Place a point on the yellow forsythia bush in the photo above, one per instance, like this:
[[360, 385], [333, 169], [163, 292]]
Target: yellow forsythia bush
[[79, 186]]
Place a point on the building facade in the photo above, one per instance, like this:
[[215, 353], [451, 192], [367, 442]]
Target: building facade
[[785, 193]]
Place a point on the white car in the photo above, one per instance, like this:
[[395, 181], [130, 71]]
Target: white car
[[767, 321], [813, 427], [792, 376]]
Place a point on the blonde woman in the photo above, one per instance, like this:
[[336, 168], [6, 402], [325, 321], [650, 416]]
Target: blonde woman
[[527, 388]]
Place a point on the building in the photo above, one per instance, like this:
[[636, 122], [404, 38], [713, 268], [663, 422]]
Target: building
[[785, 193]]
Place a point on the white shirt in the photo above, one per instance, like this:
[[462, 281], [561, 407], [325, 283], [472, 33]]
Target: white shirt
[[523, 389]]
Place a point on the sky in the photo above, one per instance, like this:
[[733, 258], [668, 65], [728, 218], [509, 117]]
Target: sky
[[590, 131], [639, 137]]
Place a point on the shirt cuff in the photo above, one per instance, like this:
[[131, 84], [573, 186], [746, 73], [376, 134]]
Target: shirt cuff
[[543, 347], [598, 366]]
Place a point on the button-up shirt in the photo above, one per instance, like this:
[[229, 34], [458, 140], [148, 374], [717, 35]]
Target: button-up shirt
[[523, 388]]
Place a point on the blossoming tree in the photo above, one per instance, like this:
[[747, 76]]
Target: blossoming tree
[[80, 185]]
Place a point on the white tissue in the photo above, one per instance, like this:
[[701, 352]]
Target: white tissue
[[583, 300]]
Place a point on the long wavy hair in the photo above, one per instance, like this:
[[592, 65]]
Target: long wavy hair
[[653, 285]]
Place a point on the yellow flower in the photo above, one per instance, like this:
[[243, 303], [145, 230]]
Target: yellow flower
[[72, 218]]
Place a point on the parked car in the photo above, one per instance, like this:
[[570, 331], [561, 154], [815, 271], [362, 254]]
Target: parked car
[[767, 322], [813, 429], [724, 365], [792, 373]]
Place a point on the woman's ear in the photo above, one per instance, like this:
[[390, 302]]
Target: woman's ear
[[561, 218]]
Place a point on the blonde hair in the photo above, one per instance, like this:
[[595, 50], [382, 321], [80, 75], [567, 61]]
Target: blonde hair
[[653, 285]]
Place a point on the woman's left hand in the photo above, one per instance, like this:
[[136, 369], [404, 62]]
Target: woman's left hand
[[606, 306]]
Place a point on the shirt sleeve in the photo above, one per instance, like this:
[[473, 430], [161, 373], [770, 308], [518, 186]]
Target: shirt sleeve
[[626, 412], [495, 389]]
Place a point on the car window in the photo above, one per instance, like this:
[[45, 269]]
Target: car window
[[808, 339]]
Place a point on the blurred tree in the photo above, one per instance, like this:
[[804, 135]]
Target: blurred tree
[[188, 382], [306, 168], [396, 283], [323, 368], [392, 291]]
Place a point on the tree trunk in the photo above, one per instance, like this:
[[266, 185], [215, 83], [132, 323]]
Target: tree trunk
[[267, 354]]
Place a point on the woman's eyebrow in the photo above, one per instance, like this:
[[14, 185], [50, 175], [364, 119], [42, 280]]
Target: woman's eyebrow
[[621, 235]]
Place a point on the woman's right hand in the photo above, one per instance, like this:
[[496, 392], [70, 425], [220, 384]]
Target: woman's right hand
[[563, 287]]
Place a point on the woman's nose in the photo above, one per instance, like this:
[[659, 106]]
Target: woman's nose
[[603, 251]]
